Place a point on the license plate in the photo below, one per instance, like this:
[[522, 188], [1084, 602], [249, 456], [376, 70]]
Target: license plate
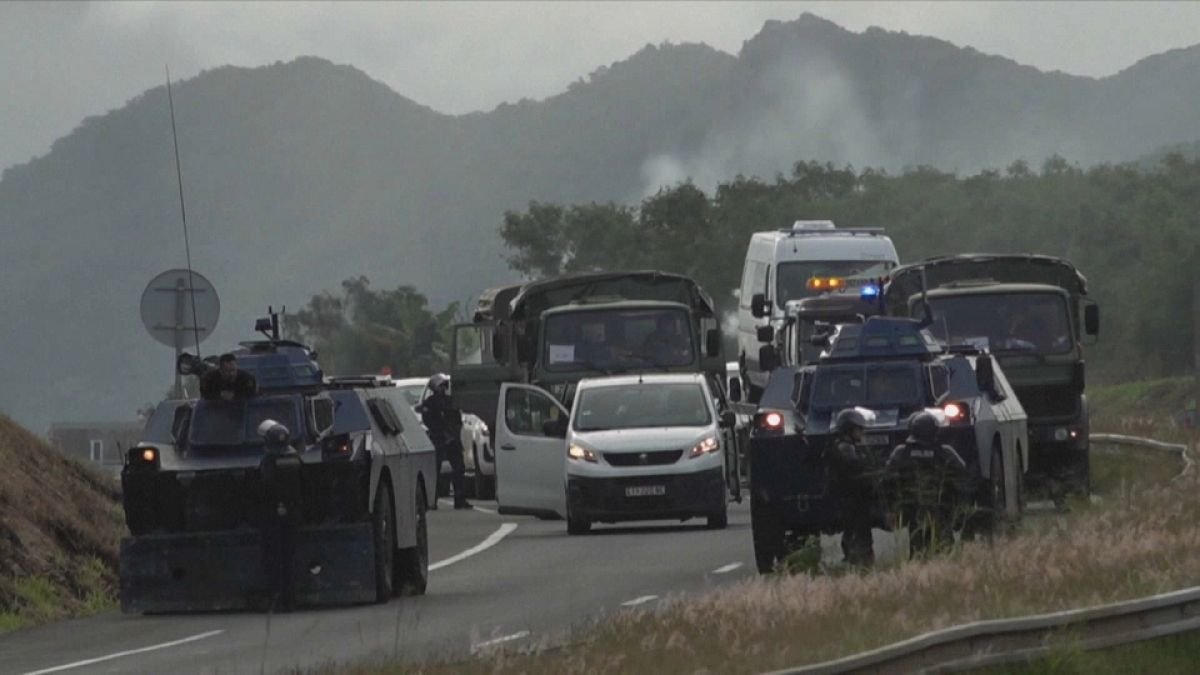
[[645, 490], [878, 439]]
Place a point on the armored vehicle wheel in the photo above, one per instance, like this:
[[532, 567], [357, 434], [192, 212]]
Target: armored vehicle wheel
[[412, 564], [383, 527], [770, 545], [577, 525]]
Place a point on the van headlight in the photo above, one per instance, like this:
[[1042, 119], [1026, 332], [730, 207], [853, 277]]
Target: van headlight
[[707, 446], [581, 454]]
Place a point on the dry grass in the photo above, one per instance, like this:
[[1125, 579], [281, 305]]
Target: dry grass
[[1143, 539], [60, 524]]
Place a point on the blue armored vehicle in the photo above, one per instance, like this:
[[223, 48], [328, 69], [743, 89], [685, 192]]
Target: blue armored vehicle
[[313, 490], [893, 368]]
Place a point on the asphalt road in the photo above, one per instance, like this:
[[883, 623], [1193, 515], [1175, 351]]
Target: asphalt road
[[500, 579], [497, 579]]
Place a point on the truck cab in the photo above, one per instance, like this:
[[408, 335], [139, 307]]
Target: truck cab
[[1033, 314]]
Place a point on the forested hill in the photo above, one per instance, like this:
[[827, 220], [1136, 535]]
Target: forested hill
[[300, 175]]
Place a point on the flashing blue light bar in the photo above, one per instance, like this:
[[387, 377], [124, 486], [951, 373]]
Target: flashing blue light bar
[[868, 291]]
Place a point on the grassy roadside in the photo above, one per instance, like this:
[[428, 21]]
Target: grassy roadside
[[1141, 538], [60, 523], [1174, 655]]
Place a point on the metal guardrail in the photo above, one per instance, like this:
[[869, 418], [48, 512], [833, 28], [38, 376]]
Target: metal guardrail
[[997, 642], [990, 643], [1121, 439]]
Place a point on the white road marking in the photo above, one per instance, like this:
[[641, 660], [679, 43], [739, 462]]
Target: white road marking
[[727, 568], [638, 601], [492, 539], [447, 502], [117, 655], [499, 640]]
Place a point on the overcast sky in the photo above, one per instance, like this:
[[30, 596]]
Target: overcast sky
[[61, 62]]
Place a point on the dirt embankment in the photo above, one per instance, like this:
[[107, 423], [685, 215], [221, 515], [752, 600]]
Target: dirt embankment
[[60, 524]]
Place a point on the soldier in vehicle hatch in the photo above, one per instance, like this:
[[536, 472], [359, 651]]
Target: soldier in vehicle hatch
[[854, 478], [927, 485], [227, 382]]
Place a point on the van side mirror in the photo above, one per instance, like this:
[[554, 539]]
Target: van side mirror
[[768, 358], [556, 428], [1091, 319], [766, 334], [712, 342], [735, 389], [758, 305], [729, 419]]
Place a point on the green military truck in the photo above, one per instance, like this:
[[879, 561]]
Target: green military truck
[[1033, 313], [543, 337]]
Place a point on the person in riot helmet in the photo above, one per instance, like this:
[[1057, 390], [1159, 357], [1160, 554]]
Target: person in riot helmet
[[443, 422], [854, 477], [227, 382], [926, 483]]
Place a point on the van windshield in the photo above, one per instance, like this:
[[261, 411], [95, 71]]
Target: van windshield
[[792, 277], [642, 405]]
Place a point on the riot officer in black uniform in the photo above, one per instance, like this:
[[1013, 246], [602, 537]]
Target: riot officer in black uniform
[[855, 474], [443, 421], [926, 483]]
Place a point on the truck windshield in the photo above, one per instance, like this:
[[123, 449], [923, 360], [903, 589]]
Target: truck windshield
[[233, 423], [792, 277], [1004, 322], [871, 385], [642, 405], [617, 339]]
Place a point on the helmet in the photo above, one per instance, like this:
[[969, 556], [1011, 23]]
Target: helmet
[[848, 419], [923, 427], [439, 380]]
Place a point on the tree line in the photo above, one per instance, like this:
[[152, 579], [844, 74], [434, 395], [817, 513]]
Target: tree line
[[1133, 231]]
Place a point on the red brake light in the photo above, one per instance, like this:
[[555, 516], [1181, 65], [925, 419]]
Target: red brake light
[[771, 421]]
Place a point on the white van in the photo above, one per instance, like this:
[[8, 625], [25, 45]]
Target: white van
[[790, 264], [633, 447]]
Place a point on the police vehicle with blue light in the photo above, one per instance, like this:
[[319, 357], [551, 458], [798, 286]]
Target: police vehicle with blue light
[[893, 368], [312, 491]]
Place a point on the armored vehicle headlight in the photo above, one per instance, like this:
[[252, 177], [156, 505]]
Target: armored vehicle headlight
[[581, 454], [955, 412], [1060, 434]]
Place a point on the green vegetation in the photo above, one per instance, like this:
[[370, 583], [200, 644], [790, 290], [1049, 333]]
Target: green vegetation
[[1174, 655], [367, 331], [1135, 234]]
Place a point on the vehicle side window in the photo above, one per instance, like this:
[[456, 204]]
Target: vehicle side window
[[526, 411], [348, 413], [939, 381], [385, 416], [802, 390]]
